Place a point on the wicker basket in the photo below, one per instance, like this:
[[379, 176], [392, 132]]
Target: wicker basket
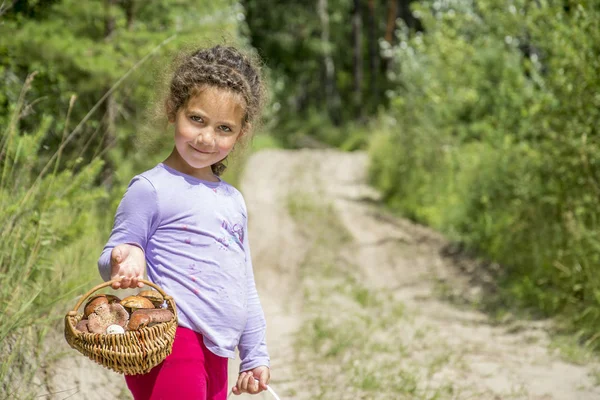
[[130, 353]]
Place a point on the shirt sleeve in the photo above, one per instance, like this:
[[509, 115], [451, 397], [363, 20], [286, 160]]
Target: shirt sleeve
[[253, 343], [135, 221]]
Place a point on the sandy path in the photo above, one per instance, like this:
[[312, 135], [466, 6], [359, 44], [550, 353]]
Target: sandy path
[[408, 343], [480, 360], [489, 361]]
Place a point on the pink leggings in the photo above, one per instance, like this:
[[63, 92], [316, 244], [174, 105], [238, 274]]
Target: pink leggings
[[191, 371]]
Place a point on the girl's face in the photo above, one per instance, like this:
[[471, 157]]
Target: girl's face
[[206, 129]]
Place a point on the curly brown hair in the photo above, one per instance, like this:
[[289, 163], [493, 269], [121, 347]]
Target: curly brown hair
[[223, 67]]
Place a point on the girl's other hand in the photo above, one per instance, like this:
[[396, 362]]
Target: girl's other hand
[[128, 264], [253, 381]]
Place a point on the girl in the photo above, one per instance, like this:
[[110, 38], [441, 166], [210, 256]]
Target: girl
[[187, 229]]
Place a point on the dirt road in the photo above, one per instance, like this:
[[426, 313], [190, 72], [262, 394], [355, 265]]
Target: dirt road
[[353, 305]]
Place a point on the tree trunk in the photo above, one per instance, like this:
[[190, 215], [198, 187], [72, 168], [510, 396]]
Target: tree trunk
[[390, 36], [357, 58], [373, 54], [110, 106], [390, 27], [332, 99], [129, 6]]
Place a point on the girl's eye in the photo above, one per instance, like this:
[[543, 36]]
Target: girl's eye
[[225, 128], [196, 118]]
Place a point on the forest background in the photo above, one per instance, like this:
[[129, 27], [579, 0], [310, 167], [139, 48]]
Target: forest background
[[480, 118]]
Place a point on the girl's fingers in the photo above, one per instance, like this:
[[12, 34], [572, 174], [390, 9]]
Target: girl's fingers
[[238, 384], [125, 282], [140, 276], [253, 386], [115, 256], [119, 253], [247, 382], [122, 280], [245, 379], [264, 379], [134, 282]]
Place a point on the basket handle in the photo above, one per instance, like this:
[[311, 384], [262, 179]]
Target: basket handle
[[108, 283]]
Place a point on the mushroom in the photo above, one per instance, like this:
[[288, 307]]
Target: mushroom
[[112, 298], [138, 321], [82, 326], [156, 298], [106, 315], [158, 315], [97, 300], [148, 317], [115, 329], [93, 304], [132, 303]]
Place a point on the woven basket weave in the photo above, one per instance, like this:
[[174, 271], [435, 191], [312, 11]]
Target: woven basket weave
[[130, 353]]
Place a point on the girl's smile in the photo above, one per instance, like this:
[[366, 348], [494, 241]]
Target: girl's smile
[[202, 151]]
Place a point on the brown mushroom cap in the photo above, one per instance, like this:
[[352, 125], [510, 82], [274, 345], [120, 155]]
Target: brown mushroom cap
[[157, 315], [148, 317], [96, 300], [93, 303], [112, 298], [105, 315], [136, 302], [155, 297], [138, 321]]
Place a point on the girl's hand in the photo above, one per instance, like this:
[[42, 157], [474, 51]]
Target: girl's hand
[[253, 381], [128, 264]]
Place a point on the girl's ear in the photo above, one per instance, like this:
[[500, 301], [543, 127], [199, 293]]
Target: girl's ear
[[245, 130], [170, 113]]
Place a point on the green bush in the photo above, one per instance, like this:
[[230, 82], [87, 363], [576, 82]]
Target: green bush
[[493, 139]]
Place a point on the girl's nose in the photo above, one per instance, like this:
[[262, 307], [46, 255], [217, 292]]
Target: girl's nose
[[207, 136]]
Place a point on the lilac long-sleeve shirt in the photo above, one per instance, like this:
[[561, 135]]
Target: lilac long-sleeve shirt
[[194, 234]]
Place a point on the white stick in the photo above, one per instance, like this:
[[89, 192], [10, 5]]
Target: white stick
[[273, 392]]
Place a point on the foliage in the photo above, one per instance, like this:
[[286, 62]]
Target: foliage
[[315, 130], [493, 138], [289, 37]]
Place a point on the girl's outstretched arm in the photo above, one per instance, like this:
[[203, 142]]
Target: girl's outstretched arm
[[136, 219]]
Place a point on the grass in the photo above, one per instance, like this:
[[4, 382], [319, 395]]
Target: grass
[[47, 246], [570, 349]]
